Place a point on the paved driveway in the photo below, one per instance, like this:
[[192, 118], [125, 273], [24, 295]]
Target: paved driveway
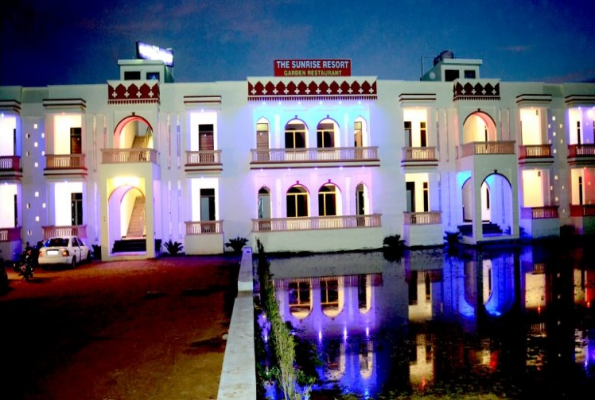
[[119, 331]]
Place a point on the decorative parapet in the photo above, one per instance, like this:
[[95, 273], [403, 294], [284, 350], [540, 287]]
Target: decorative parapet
[[476, 90], [117, 156], [316, 223], [75, 230], [10, 234], [422, 218], [483, 148], [277, 89], [539, 212], [133, 92], [203, 227]]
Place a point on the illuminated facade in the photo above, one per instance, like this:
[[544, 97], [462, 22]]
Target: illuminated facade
[[302, 163]]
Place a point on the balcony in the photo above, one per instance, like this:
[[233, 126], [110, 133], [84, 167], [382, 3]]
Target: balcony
[[10, 167], [423, 228], [419, 156], [75, 230], [583, 210], [315, 223], [535, 153], [315, 157], [203, 160], [539, 212], [10, 234], [422, 218], [581, 154], [65, 164], [203, 227], [486, 148], [119, 156]]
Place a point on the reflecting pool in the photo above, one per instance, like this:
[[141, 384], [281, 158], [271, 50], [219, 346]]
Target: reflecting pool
[[516, 322]]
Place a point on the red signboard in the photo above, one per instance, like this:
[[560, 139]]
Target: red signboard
[[312, 68]]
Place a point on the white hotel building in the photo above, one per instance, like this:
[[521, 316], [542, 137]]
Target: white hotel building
[[301, 163]]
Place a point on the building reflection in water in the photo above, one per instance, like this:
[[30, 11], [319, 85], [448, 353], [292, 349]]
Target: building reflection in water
[[505, 316]]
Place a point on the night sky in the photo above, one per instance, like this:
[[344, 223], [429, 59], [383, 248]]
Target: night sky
[[49, 42]]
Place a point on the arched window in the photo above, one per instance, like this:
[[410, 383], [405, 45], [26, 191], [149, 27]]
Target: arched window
[[264, 203], [327, 200], [479, 127], [262, 134], [295, 135], [297, 202], [325, 133]]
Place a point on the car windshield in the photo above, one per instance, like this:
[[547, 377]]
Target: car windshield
[[56, 242]]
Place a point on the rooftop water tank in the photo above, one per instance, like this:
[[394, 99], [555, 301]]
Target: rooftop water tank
[[446, 54]]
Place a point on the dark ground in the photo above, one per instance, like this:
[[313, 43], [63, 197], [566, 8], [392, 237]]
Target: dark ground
[[117, 331]]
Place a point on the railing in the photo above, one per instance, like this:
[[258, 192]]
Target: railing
[[75, 230], [535, 151], [584, 210], [10, 234], [316, 223], [480, 148], [202, 157], [539, 212], [64, 161], [115, 156], [581, 150], [315, 154], [203, 227], [10, 163], [419, 154], [423, 218]]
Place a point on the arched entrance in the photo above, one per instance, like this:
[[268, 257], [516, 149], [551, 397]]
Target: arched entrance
[[127, 220], [133, 132]]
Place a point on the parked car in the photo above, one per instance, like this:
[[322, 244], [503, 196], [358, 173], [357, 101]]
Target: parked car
[[69, 250]]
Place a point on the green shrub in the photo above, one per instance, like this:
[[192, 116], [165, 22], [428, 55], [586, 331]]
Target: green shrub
[[393, 247], [173, 248], [237, 244], [96, 251]]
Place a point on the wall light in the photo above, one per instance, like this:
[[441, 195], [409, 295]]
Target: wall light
[[34, 126]]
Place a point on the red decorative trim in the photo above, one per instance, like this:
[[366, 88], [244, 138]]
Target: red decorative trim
[[477, 91], [312, 90], [133, 93]]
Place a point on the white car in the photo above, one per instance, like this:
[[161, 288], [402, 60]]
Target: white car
[[68, 250]]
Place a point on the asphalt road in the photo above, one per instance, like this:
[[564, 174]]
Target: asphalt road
[[117, 331]]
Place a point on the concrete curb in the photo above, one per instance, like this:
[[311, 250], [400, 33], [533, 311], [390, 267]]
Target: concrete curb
[[238, 376]]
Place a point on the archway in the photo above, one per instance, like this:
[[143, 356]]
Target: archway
[[127, 220], [133, 132], [479, 127]]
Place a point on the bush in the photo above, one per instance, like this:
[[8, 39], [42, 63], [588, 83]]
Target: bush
[[237, 244], [173, 248], [393, 247], [96, 251]]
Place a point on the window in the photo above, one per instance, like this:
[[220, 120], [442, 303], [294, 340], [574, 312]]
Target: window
[[325, 135], [297, 202], [295, 136], [262, 136], [76, 207], [327, 200], [469, 74], [75, 141], [299, 296], [426, 197], [207, 204], [423, 134], [451, 74], [329, 293], [408, 138], [152, 76], [131, 75], [578, 132], [358, 134]]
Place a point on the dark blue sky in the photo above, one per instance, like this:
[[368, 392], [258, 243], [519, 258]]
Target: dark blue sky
[[48, 42]]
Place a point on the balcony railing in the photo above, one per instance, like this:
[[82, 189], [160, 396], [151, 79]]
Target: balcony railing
[[65, 161], [419, 154], [203, 157], [423, 218], [315, 154], [75, 230], [581, 150], [10, 163], [10, 234], [539, 212], [315, 223], [481, 148], [584, 210], [535, 151], [116, 156], [203, 227]]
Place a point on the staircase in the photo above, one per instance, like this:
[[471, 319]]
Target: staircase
[[139, 142], [137, 219], [488, 228], [134, 246]]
